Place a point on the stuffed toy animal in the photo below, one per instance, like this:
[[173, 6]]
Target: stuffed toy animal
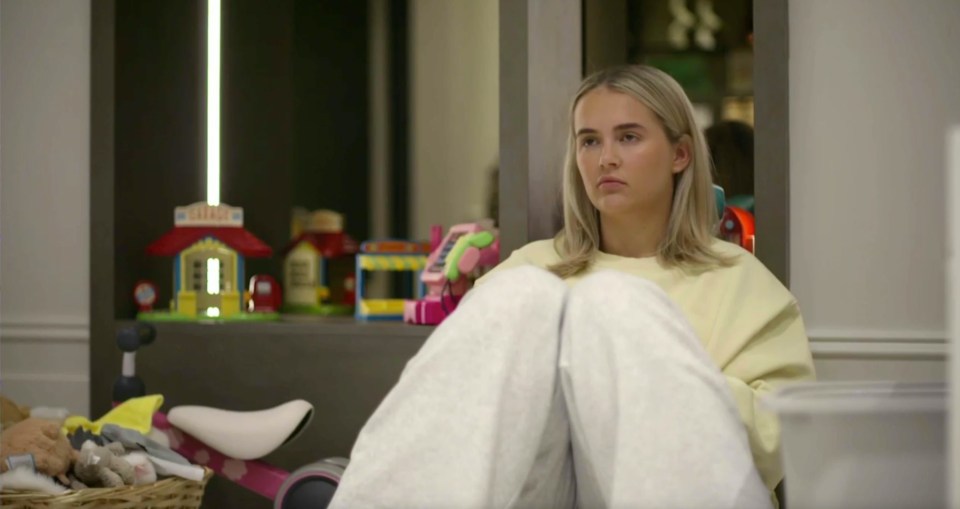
[[11, 413], [103, 465], [143, 470], [25, 479], [51, 451]]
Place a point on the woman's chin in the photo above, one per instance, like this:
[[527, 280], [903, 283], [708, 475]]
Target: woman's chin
[[615, 206]]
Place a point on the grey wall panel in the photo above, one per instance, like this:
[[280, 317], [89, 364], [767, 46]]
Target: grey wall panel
[[540, 69]]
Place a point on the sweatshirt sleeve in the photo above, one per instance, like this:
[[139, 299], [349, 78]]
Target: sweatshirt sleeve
[[539, 254], [761, 336], [516, 259]]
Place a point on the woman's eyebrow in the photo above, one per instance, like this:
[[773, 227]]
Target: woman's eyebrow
[[620, 127], [631, 125]]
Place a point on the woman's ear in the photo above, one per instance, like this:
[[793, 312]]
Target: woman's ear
[[682, 153]]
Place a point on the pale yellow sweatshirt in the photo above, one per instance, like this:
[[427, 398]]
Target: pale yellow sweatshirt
[[746, 319]]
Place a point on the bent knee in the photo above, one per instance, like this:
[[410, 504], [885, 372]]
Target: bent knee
[[522, 287], [617, 286], [616, 295], [615, 300], [525, 276]]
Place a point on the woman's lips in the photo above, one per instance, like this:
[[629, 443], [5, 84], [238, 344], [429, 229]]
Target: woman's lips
[[610, 183]]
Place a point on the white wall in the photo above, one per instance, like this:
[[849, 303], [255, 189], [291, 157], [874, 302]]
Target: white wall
[[873, 88], [44, 201], [454, 110]]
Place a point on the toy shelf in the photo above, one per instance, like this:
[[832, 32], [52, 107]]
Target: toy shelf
[[320, 328]]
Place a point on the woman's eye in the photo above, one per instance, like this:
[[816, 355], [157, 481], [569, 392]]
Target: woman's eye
[[630, 138], [588, 142]]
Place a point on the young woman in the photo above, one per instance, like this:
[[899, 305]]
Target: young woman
[[617, 365]]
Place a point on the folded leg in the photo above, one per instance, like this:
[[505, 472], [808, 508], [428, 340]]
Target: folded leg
[[477, 419], [653, 422]]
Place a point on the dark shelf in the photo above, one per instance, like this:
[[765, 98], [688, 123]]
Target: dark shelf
[[290, 327]]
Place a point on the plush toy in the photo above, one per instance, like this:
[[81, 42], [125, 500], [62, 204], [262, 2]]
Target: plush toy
[[11, 413], [143, 469], [103, 465], [25, 479], [51, 451]]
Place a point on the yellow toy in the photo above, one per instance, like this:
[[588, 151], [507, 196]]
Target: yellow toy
[[208, 244], [134, 413]]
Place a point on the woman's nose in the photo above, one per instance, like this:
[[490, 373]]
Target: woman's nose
[[609, 157]]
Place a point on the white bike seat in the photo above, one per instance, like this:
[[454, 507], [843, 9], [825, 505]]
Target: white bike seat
[[243, 435]]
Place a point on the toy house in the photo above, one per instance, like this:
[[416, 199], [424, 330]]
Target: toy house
[[318, 266], [209, 245], [388, 256]]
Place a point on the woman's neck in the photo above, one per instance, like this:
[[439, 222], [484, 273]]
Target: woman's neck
[[633, 236]]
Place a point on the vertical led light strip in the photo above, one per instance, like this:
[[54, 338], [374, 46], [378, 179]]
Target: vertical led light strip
[[213, 102], [213, 130], [213, 276]]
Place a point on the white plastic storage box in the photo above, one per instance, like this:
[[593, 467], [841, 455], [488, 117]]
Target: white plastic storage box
[[863, 445]]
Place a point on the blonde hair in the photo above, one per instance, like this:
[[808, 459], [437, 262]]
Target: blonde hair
[[693, 215]]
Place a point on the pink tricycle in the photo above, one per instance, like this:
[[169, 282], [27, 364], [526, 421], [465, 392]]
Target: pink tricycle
[[233, 443]]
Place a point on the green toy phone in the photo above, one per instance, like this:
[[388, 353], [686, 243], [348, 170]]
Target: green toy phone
[[477, 240]]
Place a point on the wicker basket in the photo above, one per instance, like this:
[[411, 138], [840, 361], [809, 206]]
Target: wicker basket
[[169, 493]]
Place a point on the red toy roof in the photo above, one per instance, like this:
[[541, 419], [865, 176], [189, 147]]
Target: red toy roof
[[330, 245], [182, 237]]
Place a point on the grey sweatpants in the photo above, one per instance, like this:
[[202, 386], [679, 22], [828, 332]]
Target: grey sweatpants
[[535, 395]]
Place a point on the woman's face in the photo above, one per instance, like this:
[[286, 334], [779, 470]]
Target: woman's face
[[625, 159]]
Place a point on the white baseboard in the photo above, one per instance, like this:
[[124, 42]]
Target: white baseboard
[[44, 328], [873, 344], [870, 355]]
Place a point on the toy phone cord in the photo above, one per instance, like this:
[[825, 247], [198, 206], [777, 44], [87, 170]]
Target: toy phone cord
[[448, 291]]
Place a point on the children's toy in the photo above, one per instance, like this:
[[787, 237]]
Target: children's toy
[[265, 294], [11, 413], [209, 245], [232, 443], [25, 479], [736, 222], [719, 199], [447, 276], [37, 443], [145, 293], [350, 289], [38, 451], [103, 466], [737, 226], [744, 201], [156, 446], [143, 470], [388, 255], [133, 413], [318, 266]]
